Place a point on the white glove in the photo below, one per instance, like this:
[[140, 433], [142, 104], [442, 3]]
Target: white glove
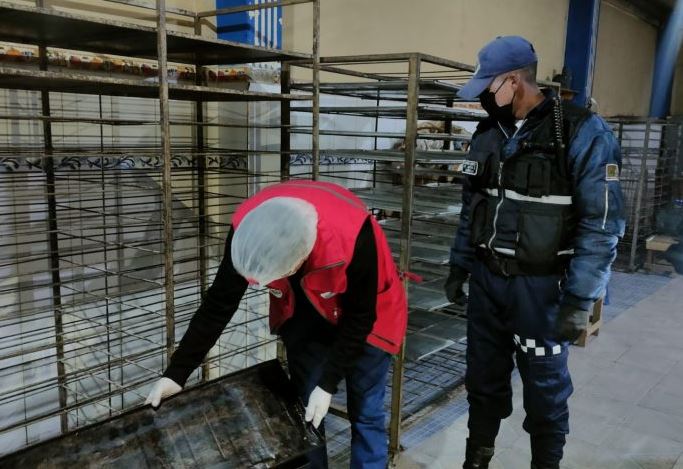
[[318, 405], [163, 388]]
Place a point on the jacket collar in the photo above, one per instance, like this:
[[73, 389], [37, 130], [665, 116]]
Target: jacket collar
[[534, 118], [544, 107]]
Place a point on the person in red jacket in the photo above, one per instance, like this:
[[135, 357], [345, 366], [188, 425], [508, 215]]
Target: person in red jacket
[[336, 301]]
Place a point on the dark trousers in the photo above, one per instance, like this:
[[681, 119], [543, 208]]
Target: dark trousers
[[308, 344], [515, 316]]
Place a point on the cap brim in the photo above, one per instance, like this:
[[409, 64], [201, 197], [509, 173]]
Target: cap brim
[[473, 88]]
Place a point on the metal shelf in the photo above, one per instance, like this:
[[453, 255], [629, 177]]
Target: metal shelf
[[111, 241], [427, 201], [94, 120], [23, 79], [50, 28], [419, 346], [430, 332], [424, 112], [399, 135], [430, 90], [442, 227], [432, 157]]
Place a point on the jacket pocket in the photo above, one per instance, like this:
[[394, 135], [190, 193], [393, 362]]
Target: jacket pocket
[[392, 314], [540, 235], [281, 303]]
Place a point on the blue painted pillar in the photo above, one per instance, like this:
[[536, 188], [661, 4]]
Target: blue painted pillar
[[258, 27], [668, 46], [580, 46]]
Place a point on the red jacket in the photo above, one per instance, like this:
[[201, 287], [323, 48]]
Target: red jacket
[[340, 217]]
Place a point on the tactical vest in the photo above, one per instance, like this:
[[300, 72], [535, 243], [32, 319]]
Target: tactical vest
[[521, 207]]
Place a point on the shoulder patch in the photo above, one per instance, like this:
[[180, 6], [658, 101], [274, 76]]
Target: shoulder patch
[[612, 172], [469, 167]]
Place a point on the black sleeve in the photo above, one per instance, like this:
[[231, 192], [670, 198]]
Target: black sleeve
[[462, 252], [359, 310], [218, 306]]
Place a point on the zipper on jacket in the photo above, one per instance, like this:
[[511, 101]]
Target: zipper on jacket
[[604, 218], [501, 194], [384, 339], [501, 191], [331, 266], [301, 282]]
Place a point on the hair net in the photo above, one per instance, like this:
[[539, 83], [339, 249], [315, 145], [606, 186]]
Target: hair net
[[273, 239]]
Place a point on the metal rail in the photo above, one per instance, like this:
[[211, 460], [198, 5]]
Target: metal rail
[[166, 183], [406, 230]]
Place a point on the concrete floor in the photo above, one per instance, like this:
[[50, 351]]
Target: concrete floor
[[627, 407]]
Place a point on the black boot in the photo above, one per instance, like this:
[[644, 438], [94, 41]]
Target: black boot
[[477, 457], [546, 451], [545, 466]]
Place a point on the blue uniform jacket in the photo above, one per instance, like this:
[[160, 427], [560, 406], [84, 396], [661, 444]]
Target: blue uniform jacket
[[597, 200]]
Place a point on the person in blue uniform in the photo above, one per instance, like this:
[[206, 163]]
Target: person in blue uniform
[[541, 218]]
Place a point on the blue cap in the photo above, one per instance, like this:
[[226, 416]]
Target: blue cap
[[503, 54]]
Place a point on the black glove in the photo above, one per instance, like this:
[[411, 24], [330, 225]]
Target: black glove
[[456, 279], [571, 322]]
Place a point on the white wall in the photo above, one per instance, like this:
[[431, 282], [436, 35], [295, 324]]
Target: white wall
[[453, 29], [112, 11], [677, 88], [457, 29], [624, 63]]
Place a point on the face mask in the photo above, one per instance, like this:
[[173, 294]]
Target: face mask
[[503, 113]]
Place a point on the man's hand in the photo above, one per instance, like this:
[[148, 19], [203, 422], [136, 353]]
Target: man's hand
[[318, 405], [456, 279], [571, 322], [163, 388]]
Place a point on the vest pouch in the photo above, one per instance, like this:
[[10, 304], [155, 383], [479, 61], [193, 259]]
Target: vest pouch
[[479, 217], [531, 175], [540, 234]]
